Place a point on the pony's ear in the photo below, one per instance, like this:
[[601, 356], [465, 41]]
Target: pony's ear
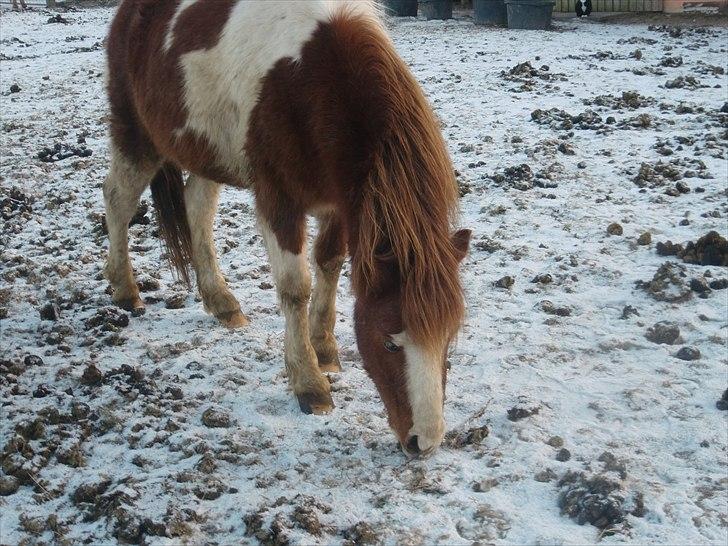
[[461, 241]]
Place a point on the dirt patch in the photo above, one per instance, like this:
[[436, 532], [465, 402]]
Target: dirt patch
[[630, 100], [668, 284], [597, 500], [528, 76], [686, 20], [710, 249]]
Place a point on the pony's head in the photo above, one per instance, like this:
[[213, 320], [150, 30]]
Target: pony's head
[[403, 331]]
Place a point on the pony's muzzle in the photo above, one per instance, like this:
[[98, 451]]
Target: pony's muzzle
[[414, 448]]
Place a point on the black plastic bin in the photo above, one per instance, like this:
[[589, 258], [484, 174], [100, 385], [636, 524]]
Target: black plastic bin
[[530, 14], [490, 12], [436, 9], [401, 8]]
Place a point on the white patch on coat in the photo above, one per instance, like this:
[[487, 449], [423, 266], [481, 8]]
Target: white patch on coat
[[293, 284], [291, 272], [169, 37], [424, 390], [222, 84]]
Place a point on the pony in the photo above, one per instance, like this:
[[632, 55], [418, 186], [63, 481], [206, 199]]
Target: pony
[[308, 105]]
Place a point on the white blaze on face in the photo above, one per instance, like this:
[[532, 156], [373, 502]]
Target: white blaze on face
[[424, 390]]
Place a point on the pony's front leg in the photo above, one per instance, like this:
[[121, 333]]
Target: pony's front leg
[[329, 255], [287, 254], [201, 197]]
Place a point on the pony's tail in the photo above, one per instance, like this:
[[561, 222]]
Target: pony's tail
[[169, 202]]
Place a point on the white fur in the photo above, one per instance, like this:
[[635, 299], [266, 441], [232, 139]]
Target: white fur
[[122, 188], [424, 390], [293, 282], [222, 84]]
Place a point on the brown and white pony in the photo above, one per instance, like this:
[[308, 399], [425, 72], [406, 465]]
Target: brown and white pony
[[308, 104]]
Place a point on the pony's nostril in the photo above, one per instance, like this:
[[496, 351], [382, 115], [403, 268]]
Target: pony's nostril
[[412, 445]]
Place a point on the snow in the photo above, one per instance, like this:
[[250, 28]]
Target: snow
[[598, 383]]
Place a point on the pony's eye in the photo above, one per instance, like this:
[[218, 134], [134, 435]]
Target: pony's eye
[[391, 346]]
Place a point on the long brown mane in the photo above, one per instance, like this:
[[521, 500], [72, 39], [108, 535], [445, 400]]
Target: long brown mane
[[409, 203]]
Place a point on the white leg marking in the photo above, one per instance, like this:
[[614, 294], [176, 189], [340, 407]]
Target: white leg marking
[[201, 198], [424, 389], [293, 283]]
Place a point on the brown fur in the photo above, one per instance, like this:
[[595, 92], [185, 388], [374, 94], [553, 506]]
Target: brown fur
[[357, 134], [342, 130], [145, 84], [168, 196]]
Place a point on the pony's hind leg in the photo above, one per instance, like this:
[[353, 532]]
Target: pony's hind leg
[[201, 198], [122, 188], [329, 254], [287, 253]]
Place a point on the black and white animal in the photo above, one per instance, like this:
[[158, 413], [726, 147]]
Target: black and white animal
[[583, 8]]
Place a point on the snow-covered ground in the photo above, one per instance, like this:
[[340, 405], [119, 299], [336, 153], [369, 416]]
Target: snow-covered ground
[[103, 437]]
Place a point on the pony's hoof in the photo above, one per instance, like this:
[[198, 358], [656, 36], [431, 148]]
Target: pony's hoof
[[233, 319], [134, 305], [315, 403], [330, 364]]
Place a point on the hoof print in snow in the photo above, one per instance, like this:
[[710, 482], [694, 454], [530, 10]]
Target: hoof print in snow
[[92, 375], [544, 278], [147, 284], [700, 285], [57, 19], [107, 319], [518, 413], [597, 500], [555, 441], [563, 455], [549, 308], [8, 485], [668, 284], [485, 485], [545, 476], [59, 152], [216, 418], [645, 239], [175, 301], [664, 333], [361, 533], [613, 464], [722, 404], [615, 229], [719, 284], [473, 436], [688, 353], [519, 177], [50, 311], [487, 525], [505, 282], [629, 311]]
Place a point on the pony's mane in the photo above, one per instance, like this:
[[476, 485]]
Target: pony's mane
[[408, 205]]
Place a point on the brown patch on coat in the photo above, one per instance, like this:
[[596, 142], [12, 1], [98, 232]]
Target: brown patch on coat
[[146, 82], [347, 126]]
